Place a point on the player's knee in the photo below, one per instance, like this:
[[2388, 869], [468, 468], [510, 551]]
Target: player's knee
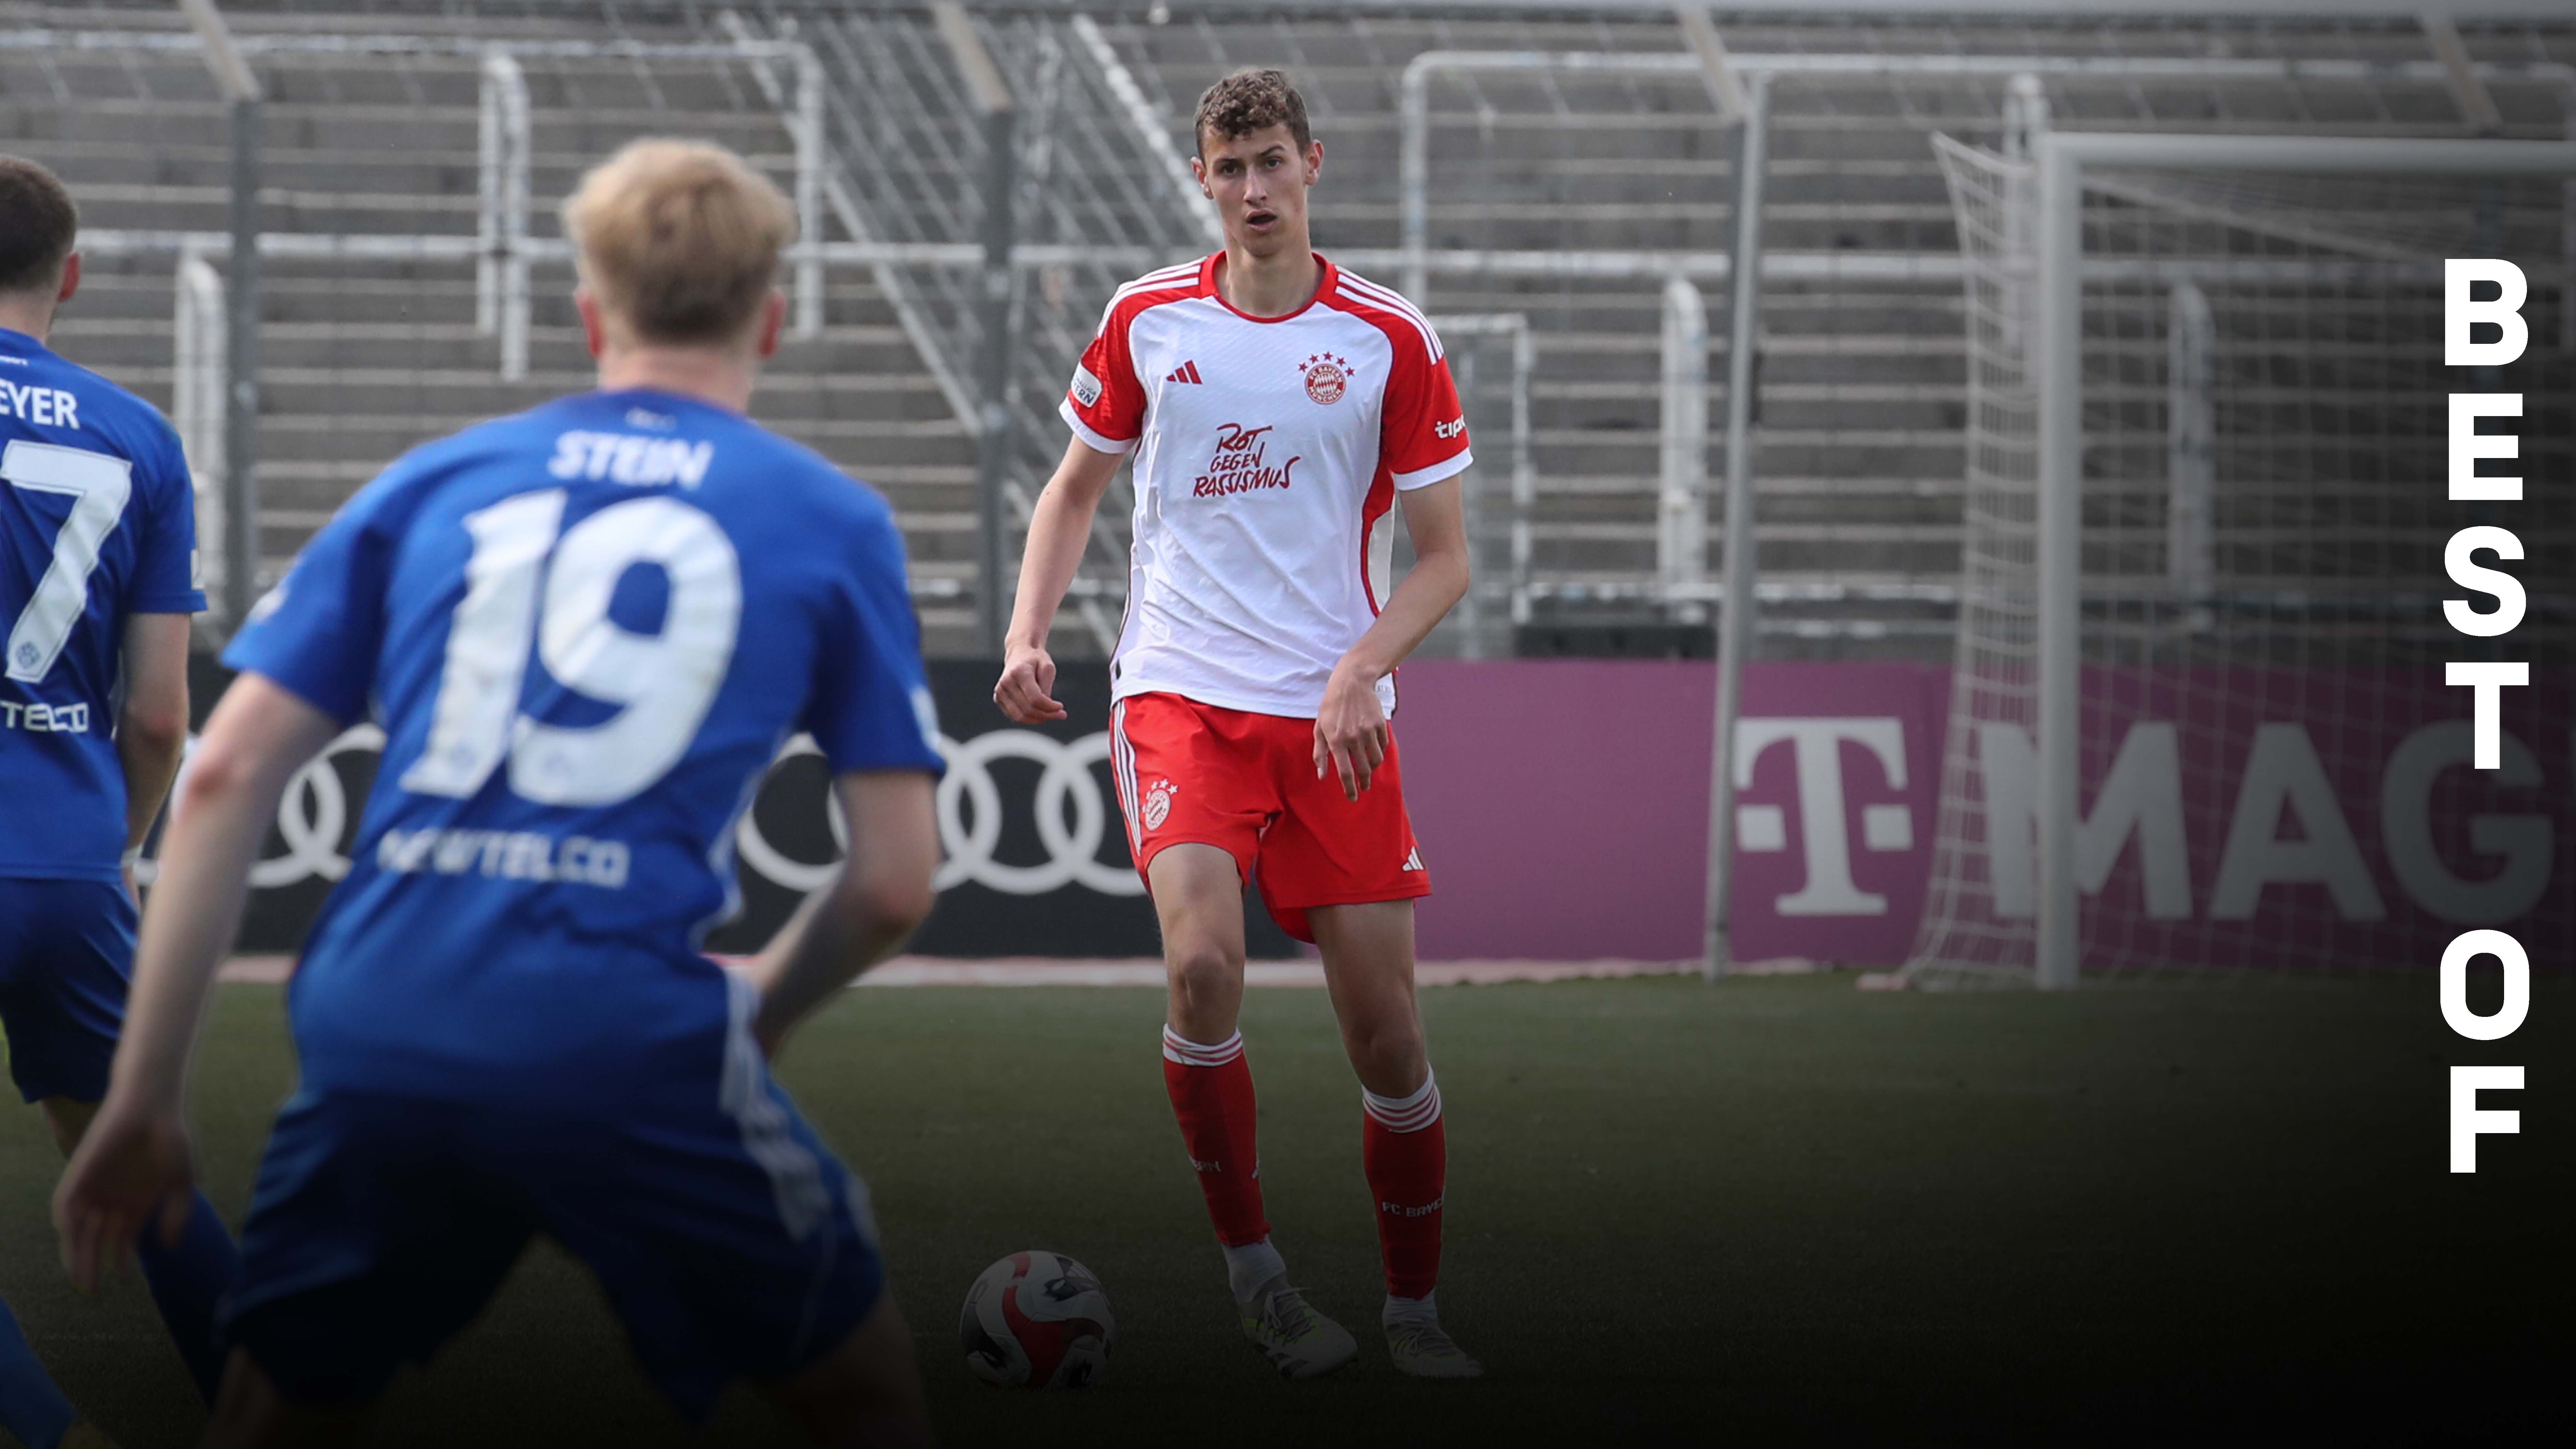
[[1388, 1054], [1205, 977]]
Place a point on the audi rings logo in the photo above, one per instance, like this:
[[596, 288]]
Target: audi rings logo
[[313, 817], [1073, 819]]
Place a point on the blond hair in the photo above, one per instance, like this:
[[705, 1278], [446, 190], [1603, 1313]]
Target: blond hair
[[680, 239]]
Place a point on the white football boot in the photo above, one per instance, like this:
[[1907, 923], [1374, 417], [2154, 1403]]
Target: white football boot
[[1423, 1349], [1298, 1341]]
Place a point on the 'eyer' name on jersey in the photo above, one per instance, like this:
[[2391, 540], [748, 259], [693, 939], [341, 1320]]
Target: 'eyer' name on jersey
[[46, 406], [97, 525]]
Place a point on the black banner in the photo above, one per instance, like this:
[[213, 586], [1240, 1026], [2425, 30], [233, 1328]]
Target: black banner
[[1011, 883]]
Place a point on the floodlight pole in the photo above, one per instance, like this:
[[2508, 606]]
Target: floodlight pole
[[1681, 503], [1737, 559], [993, 365], [806, 130], [2191, 446], [501, 301], [241, 371], [241, 330], [2060, 356]]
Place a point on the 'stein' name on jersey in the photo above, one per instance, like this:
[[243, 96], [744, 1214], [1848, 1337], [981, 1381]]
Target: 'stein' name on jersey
[[44, 406], [45, 719], [626, 458], [504, 855]]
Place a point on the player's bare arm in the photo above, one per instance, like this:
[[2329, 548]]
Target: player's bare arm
[[1350, 729], [133, 1169], [1058, 528], [881, 894], [152, 724]]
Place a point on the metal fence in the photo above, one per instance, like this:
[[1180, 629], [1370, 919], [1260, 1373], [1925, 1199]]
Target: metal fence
[[959, 243]]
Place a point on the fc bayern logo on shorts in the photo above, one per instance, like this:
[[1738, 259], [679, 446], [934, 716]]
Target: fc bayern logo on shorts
[[1327, 377], [1158, 804]]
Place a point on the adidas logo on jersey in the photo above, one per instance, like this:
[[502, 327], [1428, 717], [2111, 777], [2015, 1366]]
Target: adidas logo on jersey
[[1186, 372], [1413, 859]]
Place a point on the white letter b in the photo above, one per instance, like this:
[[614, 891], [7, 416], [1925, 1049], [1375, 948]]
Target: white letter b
[[2504, 313]]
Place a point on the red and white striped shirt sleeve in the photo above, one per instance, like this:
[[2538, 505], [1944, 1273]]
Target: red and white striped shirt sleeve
[[1423, 430], [1106, 404]]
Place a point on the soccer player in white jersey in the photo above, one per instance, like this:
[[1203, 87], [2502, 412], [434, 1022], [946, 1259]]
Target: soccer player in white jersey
[[1278, 409]]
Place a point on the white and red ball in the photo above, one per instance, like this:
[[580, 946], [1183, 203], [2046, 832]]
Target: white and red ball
[[1038, 1319]]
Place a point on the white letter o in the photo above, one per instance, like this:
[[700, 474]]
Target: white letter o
[[2467, 947]]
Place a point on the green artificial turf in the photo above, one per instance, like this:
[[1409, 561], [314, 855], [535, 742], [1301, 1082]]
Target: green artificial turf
[[1775, 1210]]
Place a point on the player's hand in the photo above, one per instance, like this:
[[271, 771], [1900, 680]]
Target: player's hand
[[134, 1172], [1026, 691], [1350, 731]]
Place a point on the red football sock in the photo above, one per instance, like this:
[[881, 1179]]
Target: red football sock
[[1406, 1155], [1211, 1089]]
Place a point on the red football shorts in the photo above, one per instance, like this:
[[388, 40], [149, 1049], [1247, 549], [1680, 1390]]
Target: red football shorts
[[1246, 784]]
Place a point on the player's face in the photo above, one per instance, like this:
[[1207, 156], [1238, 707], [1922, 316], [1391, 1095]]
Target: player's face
[[1258, 182]]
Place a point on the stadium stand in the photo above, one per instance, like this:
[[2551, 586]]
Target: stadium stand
[[363, 357], [1862, 374]]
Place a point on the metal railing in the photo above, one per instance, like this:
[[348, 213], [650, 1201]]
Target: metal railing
[[199, 388]]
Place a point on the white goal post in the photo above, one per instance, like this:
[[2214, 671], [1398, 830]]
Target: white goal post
[[2087, 266]]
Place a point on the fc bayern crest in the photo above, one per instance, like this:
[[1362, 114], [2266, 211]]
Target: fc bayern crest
[[1327, 377], [1158, 804]]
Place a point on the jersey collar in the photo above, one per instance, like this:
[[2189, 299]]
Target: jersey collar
[[11, 337], [1331, 279]]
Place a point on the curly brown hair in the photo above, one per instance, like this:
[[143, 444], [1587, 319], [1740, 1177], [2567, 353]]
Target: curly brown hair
[[1250, 100]]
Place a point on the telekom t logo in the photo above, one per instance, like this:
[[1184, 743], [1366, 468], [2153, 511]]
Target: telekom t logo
[[1822, 821]]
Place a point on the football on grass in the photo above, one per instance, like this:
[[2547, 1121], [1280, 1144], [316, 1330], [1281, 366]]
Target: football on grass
[[1040, 1320]]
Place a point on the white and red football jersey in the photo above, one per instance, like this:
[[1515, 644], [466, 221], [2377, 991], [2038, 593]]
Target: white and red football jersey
[[1269, 451]]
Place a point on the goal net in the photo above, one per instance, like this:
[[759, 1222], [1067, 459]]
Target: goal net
[[2240, 473]]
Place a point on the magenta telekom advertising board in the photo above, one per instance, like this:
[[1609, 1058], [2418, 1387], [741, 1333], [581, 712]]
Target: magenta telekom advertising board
[[2230, 817]]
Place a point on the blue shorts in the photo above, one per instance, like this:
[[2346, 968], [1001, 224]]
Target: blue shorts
[[729, 1240], [66, 952]]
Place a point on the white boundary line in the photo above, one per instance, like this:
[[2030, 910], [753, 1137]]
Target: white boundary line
[[1146, 971]]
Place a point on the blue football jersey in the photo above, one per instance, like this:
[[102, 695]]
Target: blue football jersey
[[98, 522], [585, 631]]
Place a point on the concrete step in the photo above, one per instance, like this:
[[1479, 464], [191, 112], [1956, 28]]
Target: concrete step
[[359, 443], [408, 294], [474, 392]]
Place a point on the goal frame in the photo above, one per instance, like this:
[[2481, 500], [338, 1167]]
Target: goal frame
[[2060, 159]]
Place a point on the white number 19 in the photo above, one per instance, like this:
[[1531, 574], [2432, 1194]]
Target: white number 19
[[664, 682]]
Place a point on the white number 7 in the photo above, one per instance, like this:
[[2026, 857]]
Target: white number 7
[[99, 486], [664, 681]]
